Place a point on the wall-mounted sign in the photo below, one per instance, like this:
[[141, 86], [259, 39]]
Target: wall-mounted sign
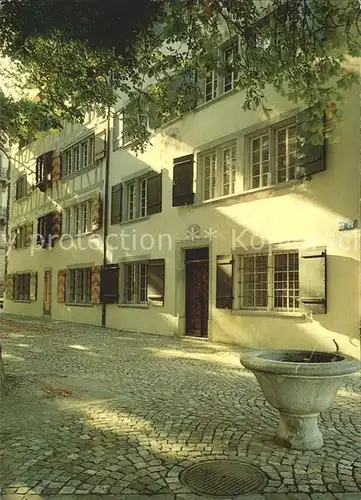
[[346, 226]]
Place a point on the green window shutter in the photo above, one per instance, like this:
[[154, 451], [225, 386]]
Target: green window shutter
[[224, 282], [311, 157], [109, 284], [154, 194], [183, 181], [313, 279], [116, 204], [156, 272]]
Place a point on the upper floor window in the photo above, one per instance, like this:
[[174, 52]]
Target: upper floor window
[[215, 84], [21, 187], [136, 199], [218, 171], [44, 168], [78, 218], [267, 168], [78, 156]]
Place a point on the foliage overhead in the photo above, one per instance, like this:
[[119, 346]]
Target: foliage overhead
[[67, 51]]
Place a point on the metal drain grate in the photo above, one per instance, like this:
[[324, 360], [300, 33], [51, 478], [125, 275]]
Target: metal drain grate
[[223, 478]]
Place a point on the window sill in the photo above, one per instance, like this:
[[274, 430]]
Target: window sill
[[77, 304], [78, 172], [220, 199], [134, 306], [23, 301], [68, 236], [139, 219], [219, 97], [268, 314]]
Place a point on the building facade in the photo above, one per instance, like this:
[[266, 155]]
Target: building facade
[[230, 226]]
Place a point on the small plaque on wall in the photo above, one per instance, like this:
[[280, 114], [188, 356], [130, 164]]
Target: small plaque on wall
[[346, 226]]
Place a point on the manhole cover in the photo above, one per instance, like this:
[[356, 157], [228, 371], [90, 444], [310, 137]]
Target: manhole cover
[[223, 478]]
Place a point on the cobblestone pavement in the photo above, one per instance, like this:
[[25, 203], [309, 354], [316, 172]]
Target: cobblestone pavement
[[105, 414]]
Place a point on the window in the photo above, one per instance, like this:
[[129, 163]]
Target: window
[[218, 171], [21, 187], [228, 55], [48, 230], [267, 168], [135, 283], [44, 168], [143, 283], [214, 84], [269, 281], [78, 219], [79, 156], [79, 285], [21, 237], [22, 286], [136, 199]]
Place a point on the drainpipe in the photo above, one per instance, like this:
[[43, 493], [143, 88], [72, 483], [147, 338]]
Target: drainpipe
[[106, 199]]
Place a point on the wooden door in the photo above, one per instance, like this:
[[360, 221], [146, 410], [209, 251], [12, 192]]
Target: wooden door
[[47, 292], [197, 296]]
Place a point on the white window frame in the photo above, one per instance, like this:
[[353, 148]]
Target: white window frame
[[215, 156], [270, 287], [73, 157], [78, 218], [135, 283], [136, 207], [272, 132], [78, 285], [217, 82]]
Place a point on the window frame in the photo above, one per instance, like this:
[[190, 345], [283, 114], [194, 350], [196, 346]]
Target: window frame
[[78, 283], [72, 156], [271, 288], [272, 130], [22, 287], [21, 237], [135, 271], [140, 203], [21, 181], [219, 186], [74, 218]]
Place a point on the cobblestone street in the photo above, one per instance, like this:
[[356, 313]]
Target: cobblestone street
[[96, 413]]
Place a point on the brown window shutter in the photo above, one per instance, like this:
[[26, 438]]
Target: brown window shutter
[[313, 280], [116, 204], [100, 145], [109, 284], [156, 274], [311, 158], [61, 285], [154, 194], [56, 227], [96, 212], [95, 285], [56, 167], [9, 287], [183, 181], [224, 282], [33, 286], [29, 234]]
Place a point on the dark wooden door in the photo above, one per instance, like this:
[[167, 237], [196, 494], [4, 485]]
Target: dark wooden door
[[47, 292], [197, 293]]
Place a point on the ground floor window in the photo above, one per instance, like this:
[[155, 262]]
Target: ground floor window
[[269, 281], [22, 286], [143, 283], [79, 285]]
